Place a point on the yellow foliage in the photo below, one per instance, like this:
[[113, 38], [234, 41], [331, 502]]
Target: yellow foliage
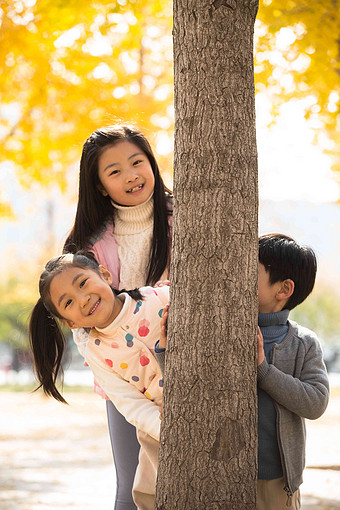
[[5, 210], [69, 67], [306, 33]]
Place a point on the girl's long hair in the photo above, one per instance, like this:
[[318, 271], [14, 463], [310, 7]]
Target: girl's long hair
[[47, 345], [46, 338], [94, 210]]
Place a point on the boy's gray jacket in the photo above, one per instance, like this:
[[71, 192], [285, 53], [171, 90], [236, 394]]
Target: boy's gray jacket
[[296, 379]]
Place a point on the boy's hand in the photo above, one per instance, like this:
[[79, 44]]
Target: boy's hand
[[164, 328], [162, 283], [260, 350]]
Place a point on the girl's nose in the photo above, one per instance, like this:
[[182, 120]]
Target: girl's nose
[[84, 299], [132, 176]]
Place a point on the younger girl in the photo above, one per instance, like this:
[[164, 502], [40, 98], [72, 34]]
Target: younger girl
[[119, 347], [124, 218]]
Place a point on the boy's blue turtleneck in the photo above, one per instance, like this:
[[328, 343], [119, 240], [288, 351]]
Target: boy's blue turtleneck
[[274, 328]]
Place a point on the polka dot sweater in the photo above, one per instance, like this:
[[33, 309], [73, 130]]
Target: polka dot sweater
[[126, 349]]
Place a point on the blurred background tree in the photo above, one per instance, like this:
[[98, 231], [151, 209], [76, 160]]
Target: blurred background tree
[[298, 58], [68, 67]]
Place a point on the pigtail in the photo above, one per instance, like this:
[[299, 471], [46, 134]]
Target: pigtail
[[48, 344], [134, 293]]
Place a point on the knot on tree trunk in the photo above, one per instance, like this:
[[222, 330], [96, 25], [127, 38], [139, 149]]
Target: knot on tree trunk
[[229, 442]]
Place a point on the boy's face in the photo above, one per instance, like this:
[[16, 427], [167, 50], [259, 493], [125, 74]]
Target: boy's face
[[268, 293]]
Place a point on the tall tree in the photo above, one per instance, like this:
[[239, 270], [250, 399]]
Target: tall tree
[[208, 439]]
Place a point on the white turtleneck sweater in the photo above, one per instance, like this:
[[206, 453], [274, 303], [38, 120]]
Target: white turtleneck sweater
[[133, 230]]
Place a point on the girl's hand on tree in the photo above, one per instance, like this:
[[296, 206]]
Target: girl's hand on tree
[[164, 328], [260, 350], [162, 283]]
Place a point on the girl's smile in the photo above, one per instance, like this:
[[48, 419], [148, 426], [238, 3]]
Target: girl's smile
[[84, 298], [125, 174]]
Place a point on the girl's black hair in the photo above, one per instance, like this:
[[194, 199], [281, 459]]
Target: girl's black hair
[[46, 338], [94, 210]]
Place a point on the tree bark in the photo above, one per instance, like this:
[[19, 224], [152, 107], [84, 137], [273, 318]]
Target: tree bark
[[209, 419]]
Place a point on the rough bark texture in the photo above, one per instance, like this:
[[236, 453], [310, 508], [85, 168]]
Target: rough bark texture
[[209, 428]]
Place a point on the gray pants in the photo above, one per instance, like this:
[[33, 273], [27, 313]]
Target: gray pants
[[125, 448]]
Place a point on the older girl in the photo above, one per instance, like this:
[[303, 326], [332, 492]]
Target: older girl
[[124, 218]]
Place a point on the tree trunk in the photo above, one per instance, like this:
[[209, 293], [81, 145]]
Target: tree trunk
[[209, 428]]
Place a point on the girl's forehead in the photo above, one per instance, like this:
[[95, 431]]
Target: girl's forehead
[[64, 278], [121, 147]]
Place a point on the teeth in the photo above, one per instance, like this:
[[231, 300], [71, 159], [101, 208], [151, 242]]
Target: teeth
[[95, 307], [135, 189]]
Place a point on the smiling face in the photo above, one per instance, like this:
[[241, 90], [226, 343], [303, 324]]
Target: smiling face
[[125, 174], [84, 298]]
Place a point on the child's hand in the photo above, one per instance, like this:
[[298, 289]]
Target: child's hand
[[164, 328], [260, 350], [162, 283]]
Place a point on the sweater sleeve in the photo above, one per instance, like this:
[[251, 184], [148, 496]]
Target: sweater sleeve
[[131, 403], [160, 356], [308, 395]]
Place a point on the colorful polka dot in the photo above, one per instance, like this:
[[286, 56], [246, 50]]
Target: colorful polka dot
[[97, 341], [160, 312], [129, 339], [135, 378], [138, 305], [144, 360], [143, 329], [147, 394], [114, 345], [161, 383], [123, 365], [109, 362]]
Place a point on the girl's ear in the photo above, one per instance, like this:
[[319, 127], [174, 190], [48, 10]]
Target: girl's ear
[[286, 289], [68, 323], [102, 190], [105, 274]]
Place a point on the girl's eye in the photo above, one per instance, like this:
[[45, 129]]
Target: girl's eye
[[137, 161], [68, 302], [114, 172], [83, 283]]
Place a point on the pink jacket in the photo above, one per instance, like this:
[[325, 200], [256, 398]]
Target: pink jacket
[[106, 252]]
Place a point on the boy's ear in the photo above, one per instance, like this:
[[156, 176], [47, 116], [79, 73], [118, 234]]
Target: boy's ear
[[105, 274], [68, 323], [286, 290]]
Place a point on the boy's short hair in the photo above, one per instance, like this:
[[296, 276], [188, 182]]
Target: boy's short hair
[[285, 259]]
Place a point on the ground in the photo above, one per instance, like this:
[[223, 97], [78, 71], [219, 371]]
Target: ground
[[57, 456]]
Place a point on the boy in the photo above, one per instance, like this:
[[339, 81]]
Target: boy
[[291, 375]]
